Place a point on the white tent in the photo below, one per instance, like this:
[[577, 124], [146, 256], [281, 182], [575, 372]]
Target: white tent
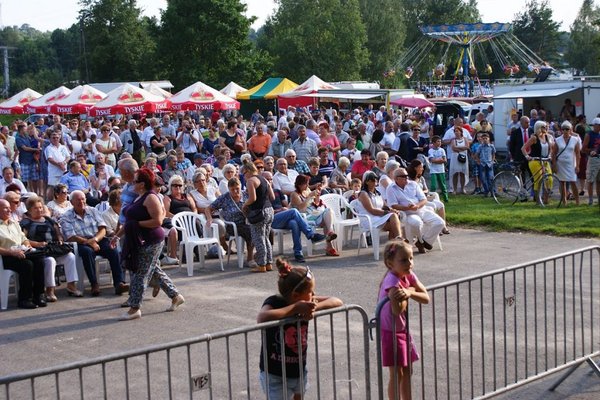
[[312, 85], [232, 89]]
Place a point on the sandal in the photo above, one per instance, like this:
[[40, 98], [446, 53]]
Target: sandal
[[332, 252]]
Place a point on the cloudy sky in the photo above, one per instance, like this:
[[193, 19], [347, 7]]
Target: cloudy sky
[[47, 15]]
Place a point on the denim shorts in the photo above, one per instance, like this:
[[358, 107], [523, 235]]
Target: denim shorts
[[275, 390]]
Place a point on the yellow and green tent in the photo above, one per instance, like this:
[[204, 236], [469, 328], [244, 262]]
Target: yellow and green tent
[[269, 89]]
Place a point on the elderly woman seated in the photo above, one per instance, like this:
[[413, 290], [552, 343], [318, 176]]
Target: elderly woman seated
[[229, 205], [339, 176], [40, 230]]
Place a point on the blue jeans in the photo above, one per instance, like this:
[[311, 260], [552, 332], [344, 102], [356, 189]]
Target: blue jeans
[[292, 219], [88, 256], [275, 389], [486, 174]]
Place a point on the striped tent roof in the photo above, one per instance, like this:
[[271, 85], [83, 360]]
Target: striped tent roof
[[268, 89]]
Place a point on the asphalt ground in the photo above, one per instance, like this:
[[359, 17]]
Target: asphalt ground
[[76, 329]]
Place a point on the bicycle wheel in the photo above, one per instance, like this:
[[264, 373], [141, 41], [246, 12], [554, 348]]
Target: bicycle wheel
[[506, 187], [549, 193]]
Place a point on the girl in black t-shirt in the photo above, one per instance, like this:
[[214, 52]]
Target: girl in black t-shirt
[[296, 298]]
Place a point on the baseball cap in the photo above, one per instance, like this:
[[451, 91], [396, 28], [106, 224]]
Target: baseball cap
[[596, 121]]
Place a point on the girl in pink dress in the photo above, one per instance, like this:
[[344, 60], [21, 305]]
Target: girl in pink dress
[[399, 284]]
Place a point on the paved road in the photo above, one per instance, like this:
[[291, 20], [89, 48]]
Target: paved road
[[76, 329]]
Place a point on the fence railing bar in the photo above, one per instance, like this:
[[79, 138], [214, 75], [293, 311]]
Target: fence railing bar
[[209, 366], [247, 365], [446, 334], [348, 358], [481, 313], [126, 366], [574, 304], [535, 319], [318, 367], [333, 356], [494, 371], [515, 324], [57, 384], [189, 369], [564, 268], [525, 319], [504, 341], [471, 340], [423, 362], [229, 373], [149, 389], [554, 308], [80, 372], [460, 377], [545, 291], [435, 368]]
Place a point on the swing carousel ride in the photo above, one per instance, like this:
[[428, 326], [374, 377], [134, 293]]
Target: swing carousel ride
[[468, 51]]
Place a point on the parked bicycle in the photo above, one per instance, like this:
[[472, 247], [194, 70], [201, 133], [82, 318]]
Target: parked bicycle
[[509, 186]]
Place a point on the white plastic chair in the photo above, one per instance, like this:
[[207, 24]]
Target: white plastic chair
[[335, 203], [239, 245], [5, 277], [375, 232], [188, 224]]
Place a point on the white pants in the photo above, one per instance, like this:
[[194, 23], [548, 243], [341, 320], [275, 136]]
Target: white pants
[[68, 261], [424, 225]]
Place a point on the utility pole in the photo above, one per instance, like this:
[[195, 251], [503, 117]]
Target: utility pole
[[6, 89], [85, 60]]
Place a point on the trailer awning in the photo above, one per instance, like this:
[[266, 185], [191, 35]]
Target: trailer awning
[[528, 94]]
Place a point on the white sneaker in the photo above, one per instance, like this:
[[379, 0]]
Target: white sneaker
[[169, 260]]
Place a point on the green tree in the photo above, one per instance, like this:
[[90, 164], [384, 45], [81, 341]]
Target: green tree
[[385, 36], [538, 31], [322, 37], [582, 53], [208, 41], [118, 41]]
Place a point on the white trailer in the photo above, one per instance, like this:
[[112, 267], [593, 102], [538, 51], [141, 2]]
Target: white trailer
[[551, 95]]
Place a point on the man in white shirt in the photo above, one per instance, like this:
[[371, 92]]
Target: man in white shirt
[[284, 179], [168, 131], [8, 175], [148, 133], [58, 158], [189, 140], [422, 222]]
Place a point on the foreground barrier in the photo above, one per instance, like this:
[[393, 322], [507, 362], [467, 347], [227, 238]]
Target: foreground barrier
[[218, 366], [490, 333], [479, 336]]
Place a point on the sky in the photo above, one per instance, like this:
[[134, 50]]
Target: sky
[[47, 15]]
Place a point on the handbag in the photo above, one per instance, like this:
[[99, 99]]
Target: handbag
[[255, 216], [461, 158], [58, 249]]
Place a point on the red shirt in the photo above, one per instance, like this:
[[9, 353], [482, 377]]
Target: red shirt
[[359, 168]]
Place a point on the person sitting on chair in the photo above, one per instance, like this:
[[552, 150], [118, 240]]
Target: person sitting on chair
[[84, 225]]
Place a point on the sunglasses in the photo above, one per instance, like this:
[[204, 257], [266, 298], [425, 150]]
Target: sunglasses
[[176, 185], [566, 129], [63, 192], [307, 277]]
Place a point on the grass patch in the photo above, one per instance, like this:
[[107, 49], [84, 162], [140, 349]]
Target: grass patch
[[480, 212]]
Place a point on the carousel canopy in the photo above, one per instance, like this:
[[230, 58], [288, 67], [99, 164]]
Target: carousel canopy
[[129, 99], [44, 104], [157, 90], [79, 101], [17, 103], [201, 97], [269, 89], [232, 89]]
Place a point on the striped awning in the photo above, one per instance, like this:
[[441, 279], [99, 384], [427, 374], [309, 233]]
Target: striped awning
[[268, 89]]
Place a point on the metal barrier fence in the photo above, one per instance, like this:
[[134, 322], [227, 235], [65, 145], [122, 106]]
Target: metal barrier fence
[[486, 334], [217, 366]]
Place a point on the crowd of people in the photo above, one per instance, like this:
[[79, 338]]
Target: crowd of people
[[75, 182]]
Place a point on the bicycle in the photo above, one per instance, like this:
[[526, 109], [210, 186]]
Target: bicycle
[[508, 187]]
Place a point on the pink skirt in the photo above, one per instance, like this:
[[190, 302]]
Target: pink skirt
[[387, 349]]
